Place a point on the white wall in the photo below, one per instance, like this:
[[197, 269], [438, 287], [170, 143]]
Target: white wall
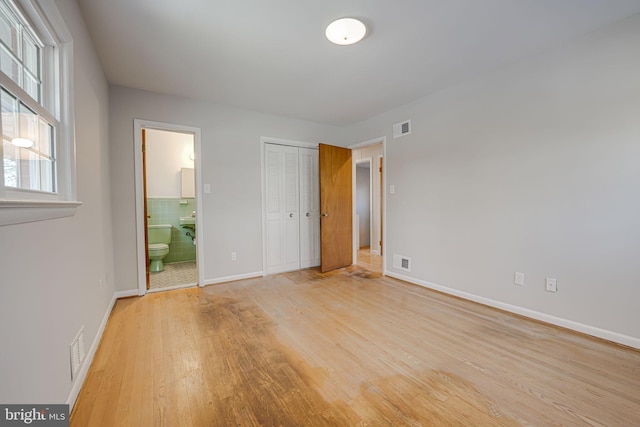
[[231, 164], [533, 168], [51, 270], [167, 153]]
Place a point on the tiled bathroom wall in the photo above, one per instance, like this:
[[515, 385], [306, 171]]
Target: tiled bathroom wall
[[169, 211]]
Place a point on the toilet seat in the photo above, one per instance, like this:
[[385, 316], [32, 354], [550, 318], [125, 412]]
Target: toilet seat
[[158, 246]]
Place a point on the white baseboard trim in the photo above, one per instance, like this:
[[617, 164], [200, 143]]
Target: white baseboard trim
[[543, 317], [126, 294], [82, 374], [233, 278]]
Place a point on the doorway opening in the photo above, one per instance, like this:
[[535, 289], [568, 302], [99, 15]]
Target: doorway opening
[[369, 204], [168, 206]]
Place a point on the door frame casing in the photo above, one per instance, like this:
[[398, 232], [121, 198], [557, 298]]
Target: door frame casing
[[379, 140], [277, 141], [138, 125]]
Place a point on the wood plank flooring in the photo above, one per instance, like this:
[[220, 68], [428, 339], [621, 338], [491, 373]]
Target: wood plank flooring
[[347, 348], [369, 261]]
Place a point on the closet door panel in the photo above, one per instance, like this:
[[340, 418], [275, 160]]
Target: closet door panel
[[291, 220], [273, 166], [309, 208], [281, 207]]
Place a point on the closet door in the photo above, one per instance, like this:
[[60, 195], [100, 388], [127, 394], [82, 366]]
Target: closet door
[[309, 208], [282, 208]]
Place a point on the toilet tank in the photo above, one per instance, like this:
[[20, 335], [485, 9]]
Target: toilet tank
[[160, 233]]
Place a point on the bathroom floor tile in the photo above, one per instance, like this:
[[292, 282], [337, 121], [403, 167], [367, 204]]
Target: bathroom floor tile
[[177, 273]]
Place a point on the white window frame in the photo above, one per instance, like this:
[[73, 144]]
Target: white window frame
[[19, 206]]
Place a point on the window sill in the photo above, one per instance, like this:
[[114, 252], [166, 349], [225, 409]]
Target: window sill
[[21, 211]]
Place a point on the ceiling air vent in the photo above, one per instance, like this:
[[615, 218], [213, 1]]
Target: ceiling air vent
[[402, 129], [401, 262]]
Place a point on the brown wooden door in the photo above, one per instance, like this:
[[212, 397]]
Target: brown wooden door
[[336, 224]]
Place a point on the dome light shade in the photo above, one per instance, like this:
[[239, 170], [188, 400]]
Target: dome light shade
[[22, 142], [346, 31]]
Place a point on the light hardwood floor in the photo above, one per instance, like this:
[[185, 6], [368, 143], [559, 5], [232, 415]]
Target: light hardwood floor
[[347, 348], [369, 261]]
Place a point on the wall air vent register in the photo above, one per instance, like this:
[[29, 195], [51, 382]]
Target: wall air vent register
[[401, 129]]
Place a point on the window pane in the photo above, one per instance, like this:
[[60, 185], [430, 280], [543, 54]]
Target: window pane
[[10, 66], [45, 141], [9, 115], [31, 55], [8, 31], [46, 175], [32, 167], [31, 86], [28, 124], [29, 170], [10, 164]]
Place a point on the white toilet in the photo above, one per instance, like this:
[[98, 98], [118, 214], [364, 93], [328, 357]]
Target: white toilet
[[159, 240]]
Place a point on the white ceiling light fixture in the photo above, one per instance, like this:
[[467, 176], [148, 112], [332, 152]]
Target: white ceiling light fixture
[[346, 31], [22, 142]]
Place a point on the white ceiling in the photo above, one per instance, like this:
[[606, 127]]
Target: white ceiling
[[272, 56]]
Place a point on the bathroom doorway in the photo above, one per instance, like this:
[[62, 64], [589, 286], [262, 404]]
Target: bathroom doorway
[[168, 202], [369, 204]]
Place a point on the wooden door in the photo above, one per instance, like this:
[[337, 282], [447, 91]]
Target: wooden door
[[336, 224]]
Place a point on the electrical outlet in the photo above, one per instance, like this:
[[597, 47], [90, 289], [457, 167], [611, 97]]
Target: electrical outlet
[[551, 284], [234, 256], [518, 279]]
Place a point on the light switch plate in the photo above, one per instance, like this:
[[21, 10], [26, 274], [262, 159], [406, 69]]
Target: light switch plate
[[518, 278]]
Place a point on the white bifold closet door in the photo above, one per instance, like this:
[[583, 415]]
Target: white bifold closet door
[[309, 208], [292, 208]]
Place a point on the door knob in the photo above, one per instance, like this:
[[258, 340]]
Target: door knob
[[308, 215], [290, 215], [325, 214]]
